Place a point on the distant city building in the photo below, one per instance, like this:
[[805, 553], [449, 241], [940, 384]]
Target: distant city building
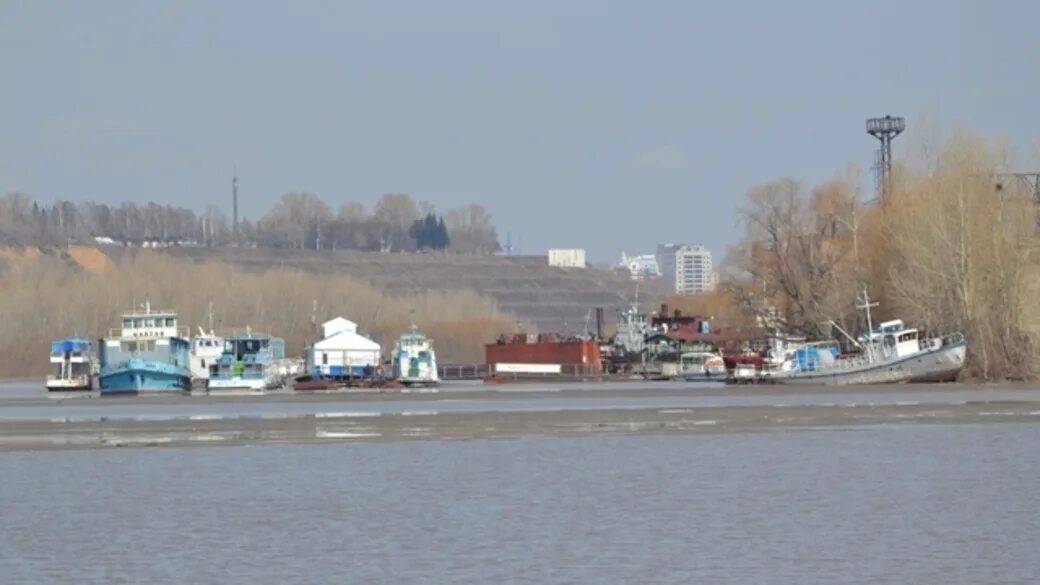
[[574, 258], [640, 267], [687, 268]]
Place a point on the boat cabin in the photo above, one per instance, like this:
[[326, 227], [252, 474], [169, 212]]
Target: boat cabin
[[149, 324], [901, 343], [252, 344]]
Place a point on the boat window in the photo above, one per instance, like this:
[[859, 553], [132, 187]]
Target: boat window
[[128, 323], [204, 363], [325, 359], [171, 322]]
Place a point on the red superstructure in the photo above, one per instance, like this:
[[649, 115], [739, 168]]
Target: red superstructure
[[574, 355]]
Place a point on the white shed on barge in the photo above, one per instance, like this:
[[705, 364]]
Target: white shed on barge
[[343, 352]]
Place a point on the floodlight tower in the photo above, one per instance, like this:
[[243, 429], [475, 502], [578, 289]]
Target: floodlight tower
[[884, 129]]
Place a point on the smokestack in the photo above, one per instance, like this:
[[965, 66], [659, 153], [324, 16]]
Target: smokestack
[[599, 322]]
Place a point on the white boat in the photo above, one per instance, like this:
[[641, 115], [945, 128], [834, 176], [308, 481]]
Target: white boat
[[889, 354], [414, 361], [74, 365], [701, 365], [206, 349]]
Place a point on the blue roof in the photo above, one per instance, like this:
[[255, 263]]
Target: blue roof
[[70, 344]]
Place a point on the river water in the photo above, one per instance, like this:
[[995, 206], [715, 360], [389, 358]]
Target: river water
[[879, 504]]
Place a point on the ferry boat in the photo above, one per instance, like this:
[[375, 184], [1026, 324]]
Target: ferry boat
[[888, 354], [414, 361], [74, 365], [206, 349], [149, 353], [701, 365], [250, 361]]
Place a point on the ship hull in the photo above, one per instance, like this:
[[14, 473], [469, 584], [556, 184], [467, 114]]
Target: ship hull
[[704, 375], [84, 383], [138, 376], [941, 364]]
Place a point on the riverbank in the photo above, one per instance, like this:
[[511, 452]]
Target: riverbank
[[43, 422]]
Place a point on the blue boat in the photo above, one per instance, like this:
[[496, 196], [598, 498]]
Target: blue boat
[[251, 361], [150, 353]]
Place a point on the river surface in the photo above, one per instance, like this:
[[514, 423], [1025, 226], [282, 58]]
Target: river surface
[[602, 483], [919, 504]]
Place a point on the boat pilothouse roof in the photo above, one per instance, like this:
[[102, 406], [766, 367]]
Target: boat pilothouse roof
[[413, 338], [148, 323], [73, 349]]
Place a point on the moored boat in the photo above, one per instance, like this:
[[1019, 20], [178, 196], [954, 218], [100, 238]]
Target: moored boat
[[206, 349], [73, 363], [888, 354], [697, 366], [414, 360], [250, 361], [149, 353]]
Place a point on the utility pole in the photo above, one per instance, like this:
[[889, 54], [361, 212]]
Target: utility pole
[[234, 203]]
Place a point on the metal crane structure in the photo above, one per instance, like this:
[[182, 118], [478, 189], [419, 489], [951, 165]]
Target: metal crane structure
[[1028, 181]]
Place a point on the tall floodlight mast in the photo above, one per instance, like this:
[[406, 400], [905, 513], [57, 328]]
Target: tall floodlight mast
[[884, 129]]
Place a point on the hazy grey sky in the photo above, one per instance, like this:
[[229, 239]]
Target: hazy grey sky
[[606, 125]]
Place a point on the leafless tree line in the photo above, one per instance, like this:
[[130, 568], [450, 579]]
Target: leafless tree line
[[298, 220]]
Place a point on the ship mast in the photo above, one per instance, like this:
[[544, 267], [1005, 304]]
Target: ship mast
[[866, 305]]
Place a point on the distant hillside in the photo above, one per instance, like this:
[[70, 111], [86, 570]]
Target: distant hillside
[[549, 298]]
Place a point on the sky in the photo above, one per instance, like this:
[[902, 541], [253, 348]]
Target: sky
[[609, 126]]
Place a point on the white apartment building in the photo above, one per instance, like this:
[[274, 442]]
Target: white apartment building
[[688, 268], [567, 258]]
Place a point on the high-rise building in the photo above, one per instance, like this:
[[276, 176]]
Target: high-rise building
[[688, 268]]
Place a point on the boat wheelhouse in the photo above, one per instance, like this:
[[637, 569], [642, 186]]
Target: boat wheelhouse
[[250, 361], [73, 365], [414, 361], [148, 353], [206, 349]]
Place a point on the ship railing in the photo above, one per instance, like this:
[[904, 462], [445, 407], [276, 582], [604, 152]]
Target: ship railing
[[462, 371]]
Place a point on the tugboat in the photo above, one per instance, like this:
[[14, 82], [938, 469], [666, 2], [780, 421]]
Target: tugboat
[[75, 366], [251, 362], [149, 353], [414, 361]]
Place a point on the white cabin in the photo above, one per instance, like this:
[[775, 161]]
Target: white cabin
[[206, 349], [149, 324], [902, 343], [342, 352]]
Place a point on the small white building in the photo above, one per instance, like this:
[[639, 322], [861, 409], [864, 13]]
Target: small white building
[[640, 267], [573, 258], [342, 351]]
